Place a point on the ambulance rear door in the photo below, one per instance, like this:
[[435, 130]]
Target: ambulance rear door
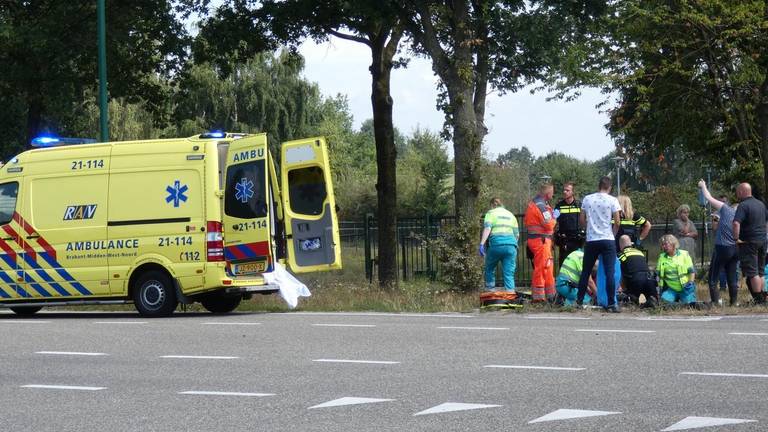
[[309, 207], [246, 227]]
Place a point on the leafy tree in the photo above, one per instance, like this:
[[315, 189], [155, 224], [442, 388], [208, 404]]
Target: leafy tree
[[693, 83], [48, 55], [562, 168], [424, 175]]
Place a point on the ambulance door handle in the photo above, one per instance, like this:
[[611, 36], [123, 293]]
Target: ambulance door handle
[[34, 236]]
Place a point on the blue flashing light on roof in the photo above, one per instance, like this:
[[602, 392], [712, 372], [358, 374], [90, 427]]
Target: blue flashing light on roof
[[214, 134], [50, 141]]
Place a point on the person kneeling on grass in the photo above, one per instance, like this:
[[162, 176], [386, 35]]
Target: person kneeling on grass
[[567, 284], [676, 273]]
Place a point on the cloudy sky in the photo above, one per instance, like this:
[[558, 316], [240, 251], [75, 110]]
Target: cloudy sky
[[515, 120]]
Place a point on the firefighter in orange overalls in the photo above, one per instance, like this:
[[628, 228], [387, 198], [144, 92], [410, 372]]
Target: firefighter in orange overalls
[[540, 224]]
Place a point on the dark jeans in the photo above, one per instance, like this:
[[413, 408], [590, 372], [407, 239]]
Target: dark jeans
[[641, 283], [724, 258], [592, 250]]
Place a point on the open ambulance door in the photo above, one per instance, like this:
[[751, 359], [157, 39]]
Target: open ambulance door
[[246, 207], [309, 207]]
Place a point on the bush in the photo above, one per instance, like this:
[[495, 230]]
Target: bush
[[460, 265]]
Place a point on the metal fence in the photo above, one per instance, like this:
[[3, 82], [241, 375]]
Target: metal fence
[[417, 259]]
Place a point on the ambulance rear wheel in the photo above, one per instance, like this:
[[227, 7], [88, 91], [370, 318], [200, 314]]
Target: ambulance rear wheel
[[219, 303], [154, 295], [26, 310]]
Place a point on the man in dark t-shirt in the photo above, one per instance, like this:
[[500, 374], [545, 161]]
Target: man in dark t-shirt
[[749, 230]]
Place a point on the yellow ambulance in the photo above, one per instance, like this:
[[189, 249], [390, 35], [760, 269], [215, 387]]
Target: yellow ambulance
[[162, 222]]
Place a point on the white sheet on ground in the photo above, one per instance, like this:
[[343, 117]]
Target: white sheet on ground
[[290, 287]]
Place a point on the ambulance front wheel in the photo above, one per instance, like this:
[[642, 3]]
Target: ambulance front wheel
[[154, 295]]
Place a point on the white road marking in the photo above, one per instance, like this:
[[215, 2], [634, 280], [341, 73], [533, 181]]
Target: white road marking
[[120, 322], [749, 334], [219, 393], [349, 401], [699, 319], [701, 422], [343, 325], [535, 367], [375, 314], [199, 357], [71, 353], [614, 331], [556, 318], [453, 406], [62, 387], [31, 321], [474, 328], [565, 414], [233, 323], [718, 374], [356, 361]]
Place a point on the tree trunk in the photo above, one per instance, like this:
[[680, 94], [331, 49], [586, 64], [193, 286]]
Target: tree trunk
[[762, 120], [467, 145], [386, 158]]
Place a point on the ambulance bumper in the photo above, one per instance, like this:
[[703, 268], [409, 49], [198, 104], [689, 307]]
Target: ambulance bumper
[[252, 289]]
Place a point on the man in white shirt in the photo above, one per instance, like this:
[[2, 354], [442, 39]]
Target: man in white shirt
[[597, 212]]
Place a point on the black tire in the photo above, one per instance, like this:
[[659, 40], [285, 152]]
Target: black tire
[[220, 303], [26, 310], [154, 294]]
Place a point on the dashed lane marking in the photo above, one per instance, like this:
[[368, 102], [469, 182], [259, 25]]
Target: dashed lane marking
[[454, 406], [535, 367], [473, 328], [614, 331], [720, 374], [349, 401], [566, 414], [556, 318], [199, 357], [699, 319], [120, 322], [343, 325], [233, 323], [71, 353], [220, 393], [702, 422], [31, 321], [356, 361], [62, 387], [376, 314], [749, 334]]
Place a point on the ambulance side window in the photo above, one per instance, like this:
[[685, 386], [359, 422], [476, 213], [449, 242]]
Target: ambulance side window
[[307, 190], [8, 194]]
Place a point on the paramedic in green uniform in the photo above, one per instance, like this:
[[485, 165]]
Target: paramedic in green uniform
[[567, 282], [676, 272], [501, 231]]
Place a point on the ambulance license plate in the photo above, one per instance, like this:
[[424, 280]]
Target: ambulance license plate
[[250, 268]]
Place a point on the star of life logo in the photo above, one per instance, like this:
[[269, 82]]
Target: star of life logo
[[176, 193], [244, 190]]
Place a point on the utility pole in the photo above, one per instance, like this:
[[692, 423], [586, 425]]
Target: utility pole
[[618, 160], [103, 104]]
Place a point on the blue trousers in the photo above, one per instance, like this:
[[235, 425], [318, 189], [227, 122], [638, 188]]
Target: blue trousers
[[569, 291], [605, 249], [507, 255]]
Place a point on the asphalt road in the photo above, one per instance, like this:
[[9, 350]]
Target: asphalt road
[[381, 372]]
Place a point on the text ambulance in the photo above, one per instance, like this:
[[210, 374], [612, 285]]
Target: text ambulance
[[160, 222]]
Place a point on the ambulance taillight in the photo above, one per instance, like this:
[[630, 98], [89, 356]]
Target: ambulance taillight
[[214, 241]]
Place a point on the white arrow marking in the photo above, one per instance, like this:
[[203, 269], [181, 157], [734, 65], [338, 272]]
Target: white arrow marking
[[71, 353], [349, 401], [718, 374], [62, 387], [565, 414], [453, 406], [700, 422], [217, 393], [535, 367]]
